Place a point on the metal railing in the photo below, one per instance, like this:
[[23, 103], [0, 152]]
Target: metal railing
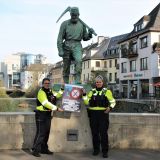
[[122, 105], [137, 106]]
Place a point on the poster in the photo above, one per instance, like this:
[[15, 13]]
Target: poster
[[71, 100]]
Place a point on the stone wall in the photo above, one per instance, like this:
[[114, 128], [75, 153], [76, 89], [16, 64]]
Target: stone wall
[[135, 130], [127, 130]]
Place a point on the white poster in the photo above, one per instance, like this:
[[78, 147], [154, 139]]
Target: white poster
[[71, 100]]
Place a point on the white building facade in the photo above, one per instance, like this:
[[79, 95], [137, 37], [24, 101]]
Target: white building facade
[[139, 65], [13, 66], [12, 76], [93, 60], [28, 79]]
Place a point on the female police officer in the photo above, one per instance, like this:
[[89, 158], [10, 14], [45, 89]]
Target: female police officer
[[100, 101], [46, 102]]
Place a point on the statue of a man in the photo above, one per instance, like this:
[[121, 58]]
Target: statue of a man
[[71, 33]]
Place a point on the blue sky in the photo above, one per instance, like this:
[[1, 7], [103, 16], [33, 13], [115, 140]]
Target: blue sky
[[30, 25]]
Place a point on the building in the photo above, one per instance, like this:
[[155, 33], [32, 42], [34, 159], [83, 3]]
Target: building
[[13, 66], [139, 65], [3, 71], [34, 74], [111, 62], [56, 73], [28, 59], [93, 60], [12, 75]]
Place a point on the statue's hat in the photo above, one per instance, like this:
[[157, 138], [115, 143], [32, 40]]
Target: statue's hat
[[74, 10]]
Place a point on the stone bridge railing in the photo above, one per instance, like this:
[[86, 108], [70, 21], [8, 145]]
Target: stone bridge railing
[[71, 132]]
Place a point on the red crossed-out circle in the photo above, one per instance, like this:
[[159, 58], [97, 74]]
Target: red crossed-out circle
[[75, 93]]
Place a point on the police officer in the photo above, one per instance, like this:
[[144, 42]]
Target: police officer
[[100, 101], [46, 103]]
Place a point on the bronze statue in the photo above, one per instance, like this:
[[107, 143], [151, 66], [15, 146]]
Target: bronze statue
[[71, 33]]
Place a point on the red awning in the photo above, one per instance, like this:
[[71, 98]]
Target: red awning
[[156, 84]]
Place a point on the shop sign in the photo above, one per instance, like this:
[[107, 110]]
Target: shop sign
[[138, 75], [135, 75], [128, 76]]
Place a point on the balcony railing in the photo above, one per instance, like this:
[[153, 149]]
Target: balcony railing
[[98, 69], [132, 53], [129, 53], [115, 55]]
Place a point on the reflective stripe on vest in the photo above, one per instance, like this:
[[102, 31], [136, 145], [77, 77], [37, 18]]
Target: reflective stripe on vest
[[98, 99]]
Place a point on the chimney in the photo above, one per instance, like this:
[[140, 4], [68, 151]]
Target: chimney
[[100, 39], [93, 51]]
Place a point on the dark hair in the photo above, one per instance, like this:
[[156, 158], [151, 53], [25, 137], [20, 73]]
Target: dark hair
[[45, 79]]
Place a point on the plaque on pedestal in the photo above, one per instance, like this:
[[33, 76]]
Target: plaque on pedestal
[[71, 100]]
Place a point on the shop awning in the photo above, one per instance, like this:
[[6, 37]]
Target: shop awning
[[156, 84]]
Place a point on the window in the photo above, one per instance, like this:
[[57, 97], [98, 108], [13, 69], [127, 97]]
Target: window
[[113, 51], [105, 64], [110, 63], [109, 52], [134, 48], [124, 50], [88, 64], [115, 76], [84, 77], [124, 67], [138, 27], [16, 78], [132, 66], [110, 76], [144, 65], [14, 66], [1, 75], [97, 63], [124, 46], [84, 65], [144, 42], [117, 50], [142, 25], [10, 80], [159, 60], [115, 62], [88, 76]]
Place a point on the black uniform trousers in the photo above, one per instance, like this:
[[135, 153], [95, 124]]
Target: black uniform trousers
[[99, 123], [43, 124]]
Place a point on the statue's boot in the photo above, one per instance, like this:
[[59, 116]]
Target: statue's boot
[[66, 79], [77, 79]]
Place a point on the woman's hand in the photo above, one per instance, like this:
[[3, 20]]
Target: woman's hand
[[107, 110], [83, 92], [60, 110]]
